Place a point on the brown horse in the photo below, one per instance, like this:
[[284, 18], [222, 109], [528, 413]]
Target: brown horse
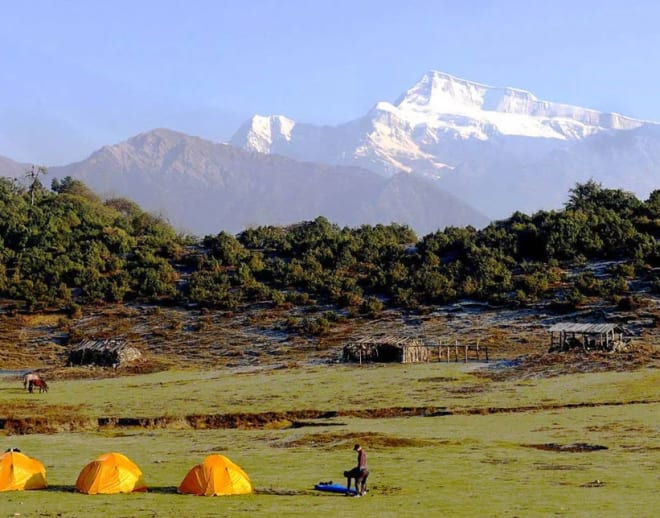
[[39, 383], [30, 376]]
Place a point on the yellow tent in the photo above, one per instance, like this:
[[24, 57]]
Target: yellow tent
[[216, 476], [18, 472], [110, 473]]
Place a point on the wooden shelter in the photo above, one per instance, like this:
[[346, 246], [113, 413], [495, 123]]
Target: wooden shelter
[[386, 349], [105, 353], [569, 335], [408, 350]]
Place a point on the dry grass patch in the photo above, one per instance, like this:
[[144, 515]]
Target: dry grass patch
[[372, 441], [468, 389], [546, 365], [576, 447], [558, 467], [437, 379], [40, 408]]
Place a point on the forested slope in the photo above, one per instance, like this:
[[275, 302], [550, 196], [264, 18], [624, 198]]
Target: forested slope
[[64, 247]]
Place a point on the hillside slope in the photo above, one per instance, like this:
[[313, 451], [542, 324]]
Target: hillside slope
[[204, 187]]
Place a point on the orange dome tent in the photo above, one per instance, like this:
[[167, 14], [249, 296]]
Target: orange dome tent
[[216, 476], [19, 472], [110, 473]]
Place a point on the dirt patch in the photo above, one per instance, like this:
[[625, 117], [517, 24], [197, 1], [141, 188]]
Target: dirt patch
[[594, 483], [385, 490], [305, 424], [622, 428], [18, 426], [557, 467], [468, 389], [45, 411], [281, 491], [379, 413], [546, 407], [548, 365], [503, 462], [371, 440], [636, 448], [62, 418], [437, 379], [576, 447]]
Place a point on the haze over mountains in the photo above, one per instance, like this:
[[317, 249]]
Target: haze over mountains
[[499, 149], [12, 169], [204, 187], [447, 152]]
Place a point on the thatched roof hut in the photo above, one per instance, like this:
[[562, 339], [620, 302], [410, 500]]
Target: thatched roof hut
[[387, 349], [105, 353]]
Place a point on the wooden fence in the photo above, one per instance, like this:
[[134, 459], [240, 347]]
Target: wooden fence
[[446, 353]]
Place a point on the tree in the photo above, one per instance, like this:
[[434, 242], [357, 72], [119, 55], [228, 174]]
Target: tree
[[591, 196], [32, 176], [74, 187]]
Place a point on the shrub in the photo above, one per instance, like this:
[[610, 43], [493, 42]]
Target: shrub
[[371, 306]]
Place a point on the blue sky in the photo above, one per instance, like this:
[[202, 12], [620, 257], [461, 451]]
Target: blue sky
[[76, 75]]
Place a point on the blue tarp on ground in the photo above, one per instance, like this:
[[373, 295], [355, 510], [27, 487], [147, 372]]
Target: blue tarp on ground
[[333, 488]]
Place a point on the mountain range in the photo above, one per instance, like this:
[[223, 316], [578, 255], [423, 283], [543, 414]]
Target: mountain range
[[204, 187], [499, 149], [447, 152]]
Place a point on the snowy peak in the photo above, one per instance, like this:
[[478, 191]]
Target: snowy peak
[[439, 92], [409, 134], [512, 111], [443, 93], [261, 133]]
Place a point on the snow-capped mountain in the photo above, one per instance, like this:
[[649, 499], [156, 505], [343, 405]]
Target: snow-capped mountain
[[457, 131], [472, 110]]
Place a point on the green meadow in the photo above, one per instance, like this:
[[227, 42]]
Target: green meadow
[[470, 463]]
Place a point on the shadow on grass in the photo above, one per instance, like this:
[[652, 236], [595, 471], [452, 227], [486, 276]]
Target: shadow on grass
[[576, 447], [61, 489], [72, 489], [163, 490], [278, 491]]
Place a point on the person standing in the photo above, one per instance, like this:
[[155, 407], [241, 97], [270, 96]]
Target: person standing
[[361, 471]]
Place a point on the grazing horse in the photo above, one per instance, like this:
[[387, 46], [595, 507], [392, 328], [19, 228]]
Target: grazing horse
[[29, 377], [41, 384]]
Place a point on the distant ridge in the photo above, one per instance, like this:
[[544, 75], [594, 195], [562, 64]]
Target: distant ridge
[[205, 187], [11, 168]]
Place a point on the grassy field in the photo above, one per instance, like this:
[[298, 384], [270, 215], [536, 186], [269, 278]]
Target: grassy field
[[322, 387], [466, 464]]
